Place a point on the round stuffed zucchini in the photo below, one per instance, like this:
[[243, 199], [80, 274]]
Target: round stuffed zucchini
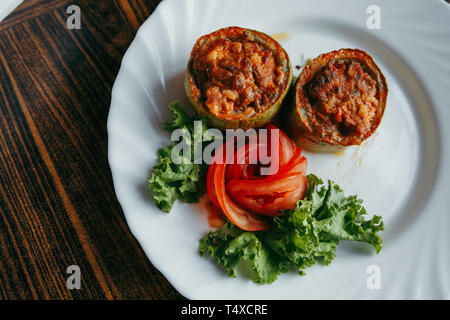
[[237, 78], [340, 98]]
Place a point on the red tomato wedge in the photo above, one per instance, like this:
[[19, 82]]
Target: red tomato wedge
[[238, 187], [270, 205], [264, 186], [237, 215]]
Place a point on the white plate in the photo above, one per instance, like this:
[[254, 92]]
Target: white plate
[[402, 172]]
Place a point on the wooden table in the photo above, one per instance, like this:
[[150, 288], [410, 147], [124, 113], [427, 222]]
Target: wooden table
[[57, 203]]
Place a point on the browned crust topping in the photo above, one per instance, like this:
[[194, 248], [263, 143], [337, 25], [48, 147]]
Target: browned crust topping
[[340, 98], [234, 73], [345, 97]]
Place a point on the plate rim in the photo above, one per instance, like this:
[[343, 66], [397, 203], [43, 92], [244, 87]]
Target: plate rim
[[155, 263]]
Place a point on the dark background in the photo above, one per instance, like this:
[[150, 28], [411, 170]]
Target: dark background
[[57, 202]]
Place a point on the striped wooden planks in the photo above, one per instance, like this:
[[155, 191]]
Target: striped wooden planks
[[57, 203]]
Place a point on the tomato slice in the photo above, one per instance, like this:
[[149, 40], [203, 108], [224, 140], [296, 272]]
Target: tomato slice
[[270, 185], [240, 190], [270, 205], [237, 215], [287, 147], [210, 187]]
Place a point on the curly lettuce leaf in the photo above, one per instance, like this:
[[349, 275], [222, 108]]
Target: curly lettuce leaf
[[229, 246], [181, 119], [343, 218], [184, 181], [299, 238]]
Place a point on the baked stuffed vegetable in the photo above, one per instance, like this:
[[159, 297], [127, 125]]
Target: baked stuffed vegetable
[[339, 100], [237, 78]]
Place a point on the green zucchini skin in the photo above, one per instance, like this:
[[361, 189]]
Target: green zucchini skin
[[258, 119]]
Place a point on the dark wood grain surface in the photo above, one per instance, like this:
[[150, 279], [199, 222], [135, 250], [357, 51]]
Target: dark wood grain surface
[[57, 202]]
